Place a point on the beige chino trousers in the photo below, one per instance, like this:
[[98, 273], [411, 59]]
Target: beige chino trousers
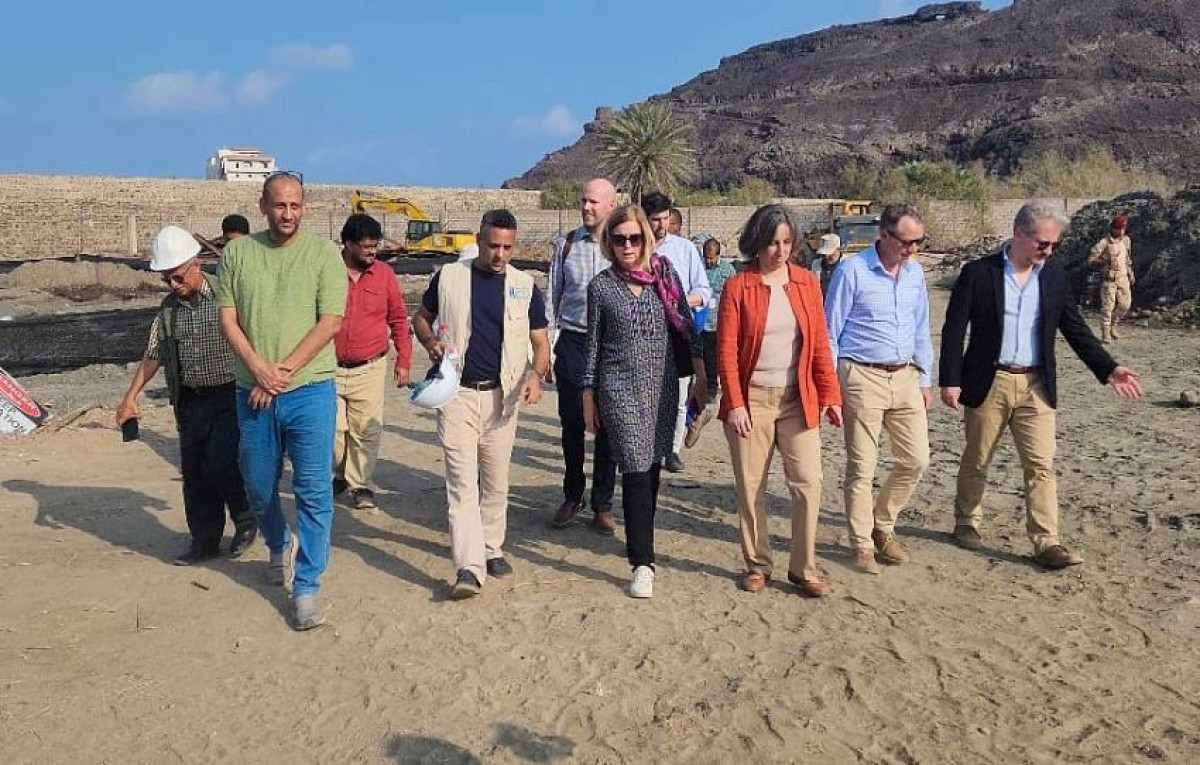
[[359, 422], [777, 422], [477, 443], [874, 400]]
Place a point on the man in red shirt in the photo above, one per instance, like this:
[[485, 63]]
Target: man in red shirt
[[374, 308]]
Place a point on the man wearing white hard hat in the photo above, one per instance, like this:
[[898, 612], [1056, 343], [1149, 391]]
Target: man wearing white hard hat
[[829, 256], [186, 341], [492, 315]]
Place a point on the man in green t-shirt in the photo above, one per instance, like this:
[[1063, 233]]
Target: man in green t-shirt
[[281, 298]]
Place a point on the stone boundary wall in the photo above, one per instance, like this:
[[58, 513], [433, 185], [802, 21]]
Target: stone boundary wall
[[43, 215]]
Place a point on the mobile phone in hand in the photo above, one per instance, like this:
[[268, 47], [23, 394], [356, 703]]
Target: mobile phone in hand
[[129, 429]]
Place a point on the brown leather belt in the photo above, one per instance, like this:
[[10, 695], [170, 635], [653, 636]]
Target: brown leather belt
[[884, 367], [480, 385], [1017, 370], [357, 364]]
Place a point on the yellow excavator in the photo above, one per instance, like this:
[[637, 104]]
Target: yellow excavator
[[852, 220], [423, 236]]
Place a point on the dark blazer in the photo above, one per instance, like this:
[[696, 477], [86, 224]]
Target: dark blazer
[[978, 301]]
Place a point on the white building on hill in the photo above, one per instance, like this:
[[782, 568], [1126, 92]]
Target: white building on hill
[[240, 163]]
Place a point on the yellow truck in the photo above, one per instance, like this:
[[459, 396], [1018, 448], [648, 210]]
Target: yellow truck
[[853, 222], [422, 236]]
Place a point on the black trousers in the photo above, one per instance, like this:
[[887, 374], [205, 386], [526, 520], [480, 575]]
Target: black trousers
[[639, 498], [569, 363], [208, 448], [710, 364]]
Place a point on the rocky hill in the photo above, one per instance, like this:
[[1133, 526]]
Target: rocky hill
[[952, 81]]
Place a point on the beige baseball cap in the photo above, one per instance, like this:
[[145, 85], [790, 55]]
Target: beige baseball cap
[[830, 243]]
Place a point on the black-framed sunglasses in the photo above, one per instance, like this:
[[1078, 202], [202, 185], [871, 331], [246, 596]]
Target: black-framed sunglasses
[[1046, 246], [907, 244], [295, 175], [621, 240]]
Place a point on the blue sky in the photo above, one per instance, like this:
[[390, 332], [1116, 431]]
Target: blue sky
[[434, 94]]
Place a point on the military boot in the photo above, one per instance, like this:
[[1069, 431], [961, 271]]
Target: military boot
[[1105, 334], [1112, 331]]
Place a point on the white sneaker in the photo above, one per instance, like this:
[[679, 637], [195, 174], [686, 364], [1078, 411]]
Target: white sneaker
[[642, 585]]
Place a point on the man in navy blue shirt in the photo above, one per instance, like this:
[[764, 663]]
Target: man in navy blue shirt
[[491, 315]]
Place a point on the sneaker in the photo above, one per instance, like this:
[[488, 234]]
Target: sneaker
[[339, 485], [565, 515], [864, 562], [196, 554], [1057, 556], [498, 567], [890, 551], [674, 463], [642, 583], [603, 522], [307, 613], [242, 540], [465, 586], [363, 499], [693, 430], [967, 537], [283, 565]]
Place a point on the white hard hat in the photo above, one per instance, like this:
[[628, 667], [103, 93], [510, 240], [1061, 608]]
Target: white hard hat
[[171, 248], [830, 243], [439, 387], [468, 252]]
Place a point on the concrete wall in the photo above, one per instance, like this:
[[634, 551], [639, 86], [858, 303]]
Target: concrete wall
[[64, 215]]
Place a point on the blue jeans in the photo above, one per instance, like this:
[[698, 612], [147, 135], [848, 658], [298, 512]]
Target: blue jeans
[[300, 423]]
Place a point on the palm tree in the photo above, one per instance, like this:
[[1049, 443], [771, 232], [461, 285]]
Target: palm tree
[[646, 147]]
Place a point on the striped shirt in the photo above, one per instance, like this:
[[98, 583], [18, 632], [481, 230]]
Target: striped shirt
[[566, 291], [878, 319], [688, 264], [205, 356]]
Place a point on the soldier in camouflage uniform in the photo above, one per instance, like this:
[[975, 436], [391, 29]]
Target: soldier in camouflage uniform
[[1113, 255]]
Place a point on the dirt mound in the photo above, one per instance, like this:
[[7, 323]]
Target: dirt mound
[[81, 281], [1166, 248]]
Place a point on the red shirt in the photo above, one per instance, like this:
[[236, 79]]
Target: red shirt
[[373, 308]]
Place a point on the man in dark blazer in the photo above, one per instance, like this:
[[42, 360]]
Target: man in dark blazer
[[1014, 302]]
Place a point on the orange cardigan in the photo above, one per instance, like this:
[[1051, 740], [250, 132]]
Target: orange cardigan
[[741, 323]]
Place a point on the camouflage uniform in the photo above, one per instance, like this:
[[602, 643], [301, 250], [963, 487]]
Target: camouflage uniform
[[1114, 258]]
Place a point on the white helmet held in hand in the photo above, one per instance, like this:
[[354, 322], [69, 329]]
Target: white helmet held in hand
[[439, 387]]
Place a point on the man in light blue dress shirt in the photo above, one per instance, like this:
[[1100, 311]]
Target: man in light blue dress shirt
[[877, 309]]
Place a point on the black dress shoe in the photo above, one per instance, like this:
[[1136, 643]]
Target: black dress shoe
[[339, 485], [465, 586], [498, 567], [197, 554], [242, 540]]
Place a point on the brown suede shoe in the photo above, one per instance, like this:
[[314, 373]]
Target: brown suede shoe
[[864, 562], [604, 522], [812, 588], [565, 515], [753, 581], [1057, 556], [890, 551], [967, 537]]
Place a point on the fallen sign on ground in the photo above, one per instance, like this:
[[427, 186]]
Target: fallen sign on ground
[[19, 413]]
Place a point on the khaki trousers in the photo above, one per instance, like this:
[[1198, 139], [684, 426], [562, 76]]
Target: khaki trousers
[[875, 400], [359, 422], [477, 442], [1115, 298], [777, 423], [1018, 401]]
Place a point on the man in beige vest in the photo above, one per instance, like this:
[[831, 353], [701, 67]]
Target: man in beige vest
[[1113, 255], [490, 314]]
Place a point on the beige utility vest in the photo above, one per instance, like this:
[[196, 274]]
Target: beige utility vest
[[454, 311], [1113, 255]]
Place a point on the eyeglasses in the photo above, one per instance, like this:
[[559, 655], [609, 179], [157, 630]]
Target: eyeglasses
[[1046, 246], [295, 175], [905, 244], [177, 278], [621, 240]]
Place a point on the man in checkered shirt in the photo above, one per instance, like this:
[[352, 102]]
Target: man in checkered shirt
[[186, 341]]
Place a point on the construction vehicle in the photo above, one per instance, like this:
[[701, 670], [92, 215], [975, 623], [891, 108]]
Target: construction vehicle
[[853, 222], [422, 237]]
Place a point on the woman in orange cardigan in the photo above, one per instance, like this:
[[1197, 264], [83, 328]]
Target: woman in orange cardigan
[[778, 380]]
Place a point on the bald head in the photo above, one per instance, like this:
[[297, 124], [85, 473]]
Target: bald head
[[598, 200]]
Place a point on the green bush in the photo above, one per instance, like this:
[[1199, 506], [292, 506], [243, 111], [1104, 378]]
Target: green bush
[[560, 195]]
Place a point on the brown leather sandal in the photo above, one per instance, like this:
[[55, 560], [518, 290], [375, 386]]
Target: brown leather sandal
[[753, 581]]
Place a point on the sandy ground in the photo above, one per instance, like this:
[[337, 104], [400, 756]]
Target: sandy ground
[[108, 653]]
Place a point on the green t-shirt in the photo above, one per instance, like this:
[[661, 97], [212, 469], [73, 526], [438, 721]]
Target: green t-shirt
[[279, 292]]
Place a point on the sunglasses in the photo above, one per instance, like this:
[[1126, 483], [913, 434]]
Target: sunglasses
[[906, 244], [622, 240], [295, 175], [1046, 246]]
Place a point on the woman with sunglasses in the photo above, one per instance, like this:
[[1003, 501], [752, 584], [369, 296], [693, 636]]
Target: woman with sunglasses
[[637, 317], [777, 379]]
